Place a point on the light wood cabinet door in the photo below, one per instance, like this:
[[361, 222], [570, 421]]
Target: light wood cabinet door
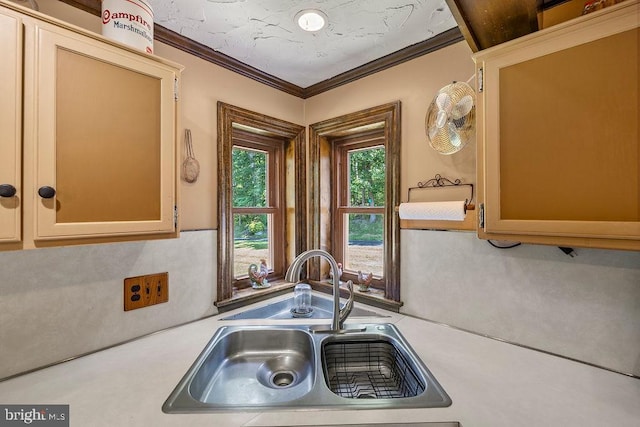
[[558, 140], [104, 138], [10, 126]]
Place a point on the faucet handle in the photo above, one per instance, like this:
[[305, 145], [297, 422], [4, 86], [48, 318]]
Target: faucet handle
[[348, 306]]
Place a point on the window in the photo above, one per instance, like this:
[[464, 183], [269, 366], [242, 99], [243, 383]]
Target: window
[[258, 204], [261, 198], [359, 199], [355, 187]]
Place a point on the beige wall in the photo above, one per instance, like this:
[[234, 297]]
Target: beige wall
[[203, 85], [414, 83]]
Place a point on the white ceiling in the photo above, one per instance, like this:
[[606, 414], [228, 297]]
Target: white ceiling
[[263, 34]]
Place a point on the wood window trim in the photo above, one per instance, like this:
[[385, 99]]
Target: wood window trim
[[320, 134], [275, 203], [230, 116]]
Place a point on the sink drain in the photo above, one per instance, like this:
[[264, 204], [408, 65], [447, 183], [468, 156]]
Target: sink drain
[[285, 372], [283, 379]]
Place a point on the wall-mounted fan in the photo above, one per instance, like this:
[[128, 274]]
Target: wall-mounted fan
[[450, 119]]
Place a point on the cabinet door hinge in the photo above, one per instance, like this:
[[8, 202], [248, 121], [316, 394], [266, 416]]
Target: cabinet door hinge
[[481, 216], [175, 89], [480, 80], [175, 216]]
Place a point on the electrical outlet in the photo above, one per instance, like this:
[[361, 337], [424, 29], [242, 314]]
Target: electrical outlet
[[142, 291], [133, 293]]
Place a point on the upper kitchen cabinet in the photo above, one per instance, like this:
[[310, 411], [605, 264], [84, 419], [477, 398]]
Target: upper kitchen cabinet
[[486, 23], [558, 149], [98, 135], [104, 138], [10, 126]]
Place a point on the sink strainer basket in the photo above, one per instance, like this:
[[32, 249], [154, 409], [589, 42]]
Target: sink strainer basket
[[369, 370]]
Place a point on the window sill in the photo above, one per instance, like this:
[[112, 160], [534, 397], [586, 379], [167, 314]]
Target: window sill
[[374, 297], [248, 296]]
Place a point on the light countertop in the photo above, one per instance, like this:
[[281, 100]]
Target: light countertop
[[490, 382]]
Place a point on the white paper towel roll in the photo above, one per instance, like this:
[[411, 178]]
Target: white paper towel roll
[[447, 211]]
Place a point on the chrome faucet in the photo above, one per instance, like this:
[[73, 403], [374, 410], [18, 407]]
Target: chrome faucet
[[339, 315]]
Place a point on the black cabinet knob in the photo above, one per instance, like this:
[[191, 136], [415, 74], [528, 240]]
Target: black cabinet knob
[[7, 190], [46, 192]]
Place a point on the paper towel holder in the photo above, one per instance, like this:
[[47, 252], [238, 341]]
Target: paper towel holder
[[438, 182]]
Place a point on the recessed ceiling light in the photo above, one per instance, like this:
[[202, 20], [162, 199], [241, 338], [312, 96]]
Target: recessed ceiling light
[[311, 20]]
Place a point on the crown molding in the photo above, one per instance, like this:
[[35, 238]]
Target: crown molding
[[440, 41], [201, 51]]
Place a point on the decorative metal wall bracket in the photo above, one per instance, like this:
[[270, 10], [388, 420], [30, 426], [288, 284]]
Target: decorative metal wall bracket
[[438, 182]]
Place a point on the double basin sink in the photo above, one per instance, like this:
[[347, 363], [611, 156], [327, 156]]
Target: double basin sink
[[369, 366]]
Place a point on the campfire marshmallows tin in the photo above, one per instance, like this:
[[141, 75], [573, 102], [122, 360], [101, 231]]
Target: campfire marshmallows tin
[[129, 22]]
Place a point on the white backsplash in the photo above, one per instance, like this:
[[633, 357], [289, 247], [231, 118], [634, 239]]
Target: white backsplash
[[62, 302], [57, 303], [586, 308]]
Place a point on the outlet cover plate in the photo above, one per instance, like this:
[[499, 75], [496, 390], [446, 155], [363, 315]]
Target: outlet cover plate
[[143, 291]]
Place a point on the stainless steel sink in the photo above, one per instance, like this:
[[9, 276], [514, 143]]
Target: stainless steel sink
[[242, 368], [322, 309], [256, 367]]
